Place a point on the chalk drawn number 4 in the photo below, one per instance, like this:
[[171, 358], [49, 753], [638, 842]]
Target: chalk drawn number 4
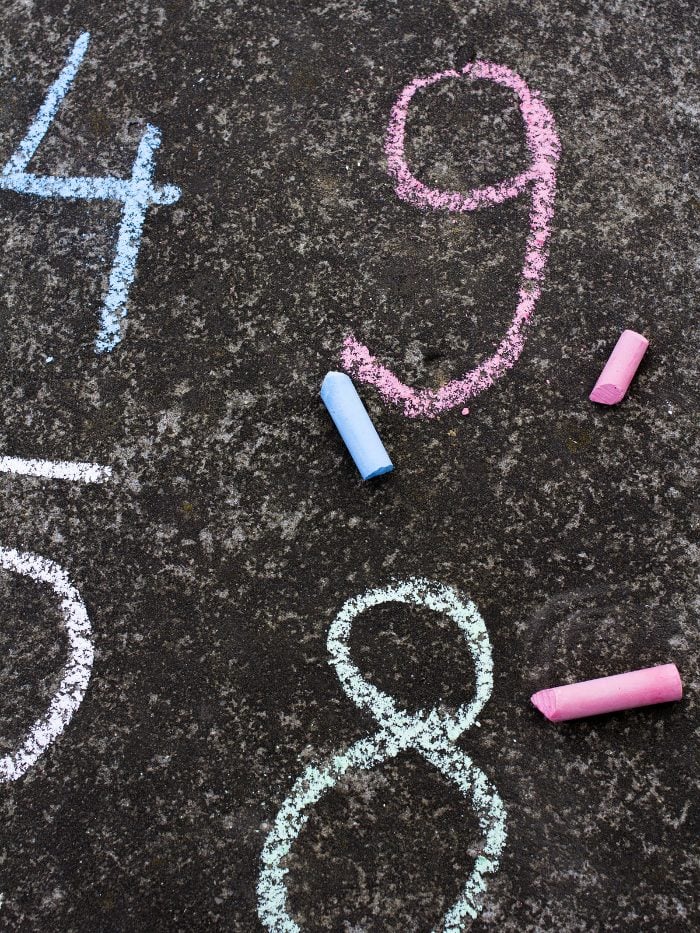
[[135, 194]]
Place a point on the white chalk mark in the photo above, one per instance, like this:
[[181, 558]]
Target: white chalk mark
[[74, 470], [76, 673], [136, 194], [432, 733]]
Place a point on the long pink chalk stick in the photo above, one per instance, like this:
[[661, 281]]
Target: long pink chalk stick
[[619, 371], [609, 694]]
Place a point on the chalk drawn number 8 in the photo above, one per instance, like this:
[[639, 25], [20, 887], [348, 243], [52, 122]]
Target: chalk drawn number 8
[[431, 733]]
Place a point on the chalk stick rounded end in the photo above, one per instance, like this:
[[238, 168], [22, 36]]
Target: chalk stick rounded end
[[607, 394], [546, 702], [639, 339], [333, 379]]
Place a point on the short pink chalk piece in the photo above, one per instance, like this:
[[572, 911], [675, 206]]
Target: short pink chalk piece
[[609, 694], [619, 371]]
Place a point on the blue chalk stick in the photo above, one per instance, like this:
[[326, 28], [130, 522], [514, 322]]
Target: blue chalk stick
[[351, 419]]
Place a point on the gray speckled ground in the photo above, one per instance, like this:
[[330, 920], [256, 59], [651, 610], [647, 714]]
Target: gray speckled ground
[[237, 526]]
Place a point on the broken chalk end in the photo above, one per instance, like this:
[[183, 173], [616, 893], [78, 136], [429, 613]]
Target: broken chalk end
[[546, 702], [606, 394], [380, 471]]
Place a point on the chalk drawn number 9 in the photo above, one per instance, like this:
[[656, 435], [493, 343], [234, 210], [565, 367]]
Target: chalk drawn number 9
[[539, 178]]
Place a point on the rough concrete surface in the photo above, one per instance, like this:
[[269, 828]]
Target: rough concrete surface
[[236, 525]]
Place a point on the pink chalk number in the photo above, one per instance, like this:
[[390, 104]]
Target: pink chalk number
[[539, 179]]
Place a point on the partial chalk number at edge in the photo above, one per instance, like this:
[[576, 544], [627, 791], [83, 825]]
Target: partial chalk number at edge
[[76, 673]]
